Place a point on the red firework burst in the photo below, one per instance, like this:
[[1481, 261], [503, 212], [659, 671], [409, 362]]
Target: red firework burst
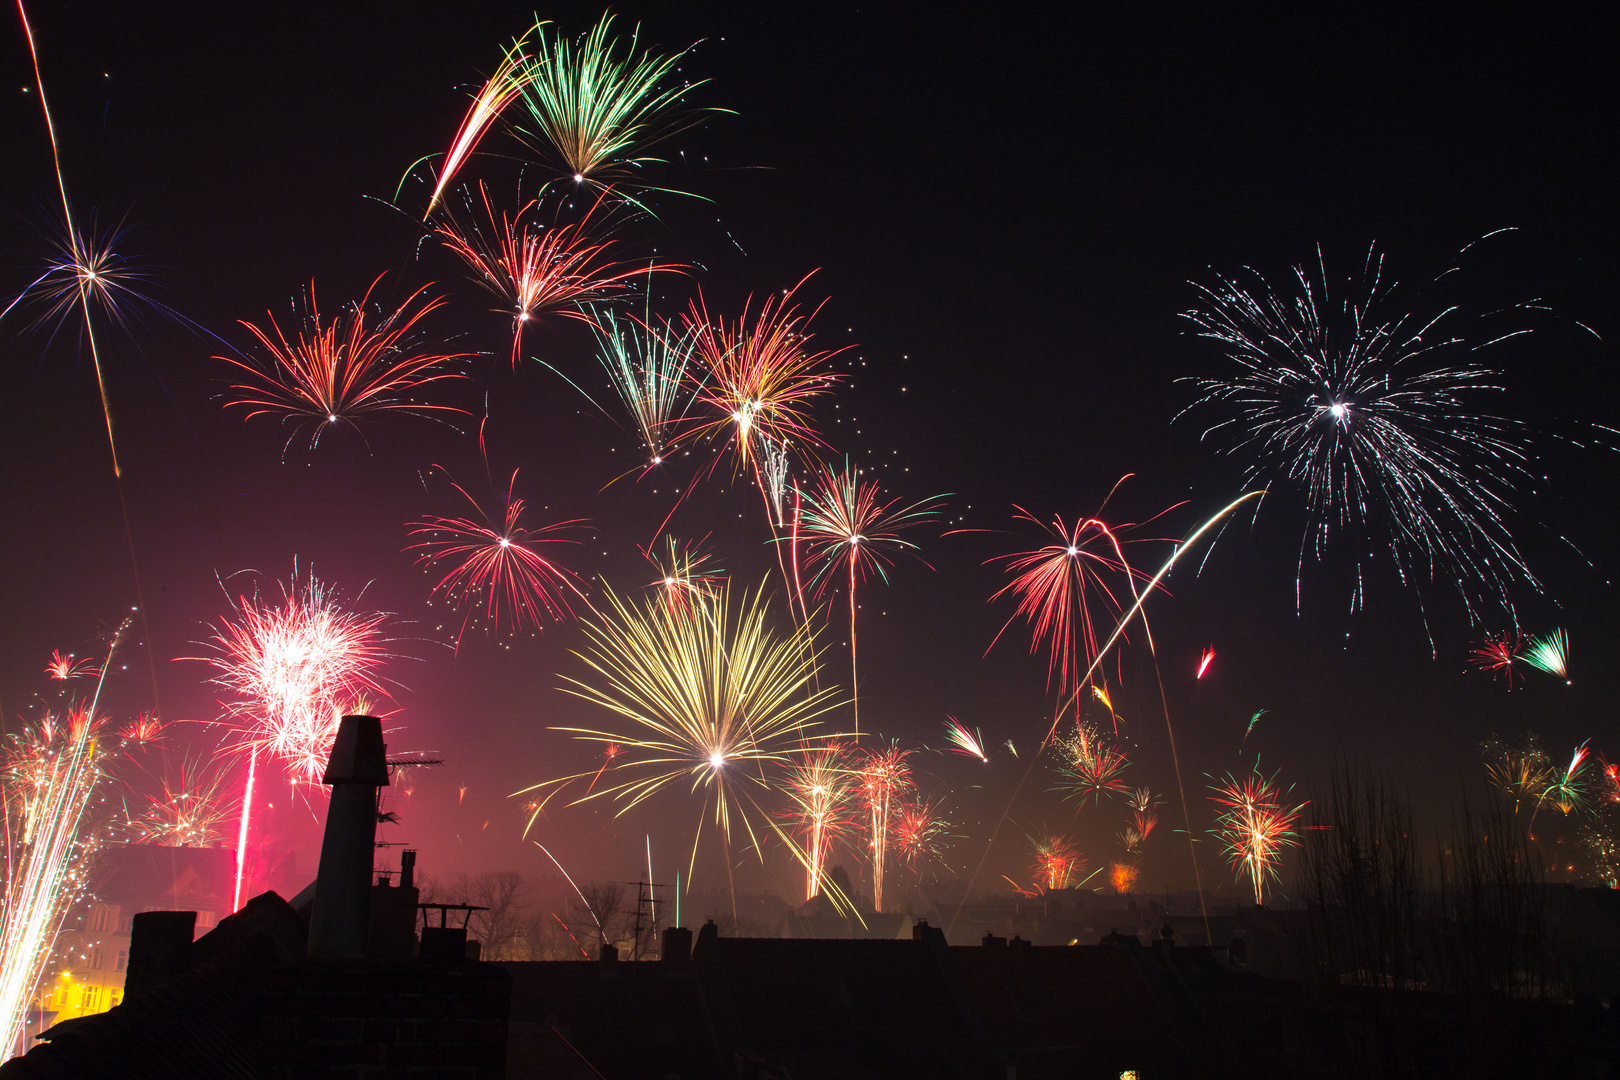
[[66, 667], [1498, 654], [498, 572], [534, 269], [347, 368]]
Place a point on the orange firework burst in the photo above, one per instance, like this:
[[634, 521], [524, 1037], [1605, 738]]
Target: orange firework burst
[[757, 377], [1123, 876], [534, 268], [500, 569], [337, 372]]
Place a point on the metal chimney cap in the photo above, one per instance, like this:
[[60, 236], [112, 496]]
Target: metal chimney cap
[[359, 755]]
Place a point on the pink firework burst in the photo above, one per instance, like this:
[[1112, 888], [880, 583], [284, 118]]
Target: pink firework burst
[[497, 571], [292, 669]]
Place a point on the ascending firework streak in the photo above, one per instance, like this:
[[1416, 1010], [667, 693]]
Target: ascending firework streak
[[1255, 826], [1141, 598], [884, 777], [1549, 654], [534, 269], [714, 699], [497, 572], [49, 777], [821, 787], [594, 113], [647, 368], [491, 100], [1356, 404], [343, 370], [291, 670], [847, 527], [964, 741]]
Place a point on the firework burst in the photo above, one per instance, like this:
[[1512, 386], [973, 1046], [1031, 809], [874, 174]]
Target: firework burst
[[756, 378], [884, 780], [647, 368], [685, 574], [717, 702], [1092, 765], [193, 809], [345, 369], [595, 110], [497, 572], [1371, 414], [1122, 876], [62, 668], [1571, 790], [919, 831], [1523, 773], [1549, 654], [821, 790], [145, 730], [849, 531], [1059, 587], [1057, 860], [535, 269], [1255, 825], [1497, 654], [963, 741]]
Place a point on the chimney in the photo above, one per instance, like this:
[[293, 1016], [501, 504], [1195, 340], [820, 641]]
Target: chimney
[[159, 948], [677, 951], [407, 869], [340, 919]]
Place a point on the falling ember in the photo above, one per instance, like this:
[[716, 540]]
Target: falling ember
[[1205, 660]]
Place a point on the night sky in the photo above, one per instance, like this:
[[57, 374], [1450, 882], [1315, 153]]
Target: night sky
[[1004, 212]]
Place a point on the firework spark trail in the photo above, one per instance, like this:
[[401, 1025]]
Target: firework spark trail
[[500, 569], [714, 698], [820, 788], [1497, 654], [1570, 790], [1549, 654], [1353, 405], [536, 269], [884, 778], [846, 526], [595, 113], [343, 370], [513, 74], [1255, 827], [50, 779], [1142, 594], [1253, 720], [776, 458], [1204, 661], [963, 741]]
